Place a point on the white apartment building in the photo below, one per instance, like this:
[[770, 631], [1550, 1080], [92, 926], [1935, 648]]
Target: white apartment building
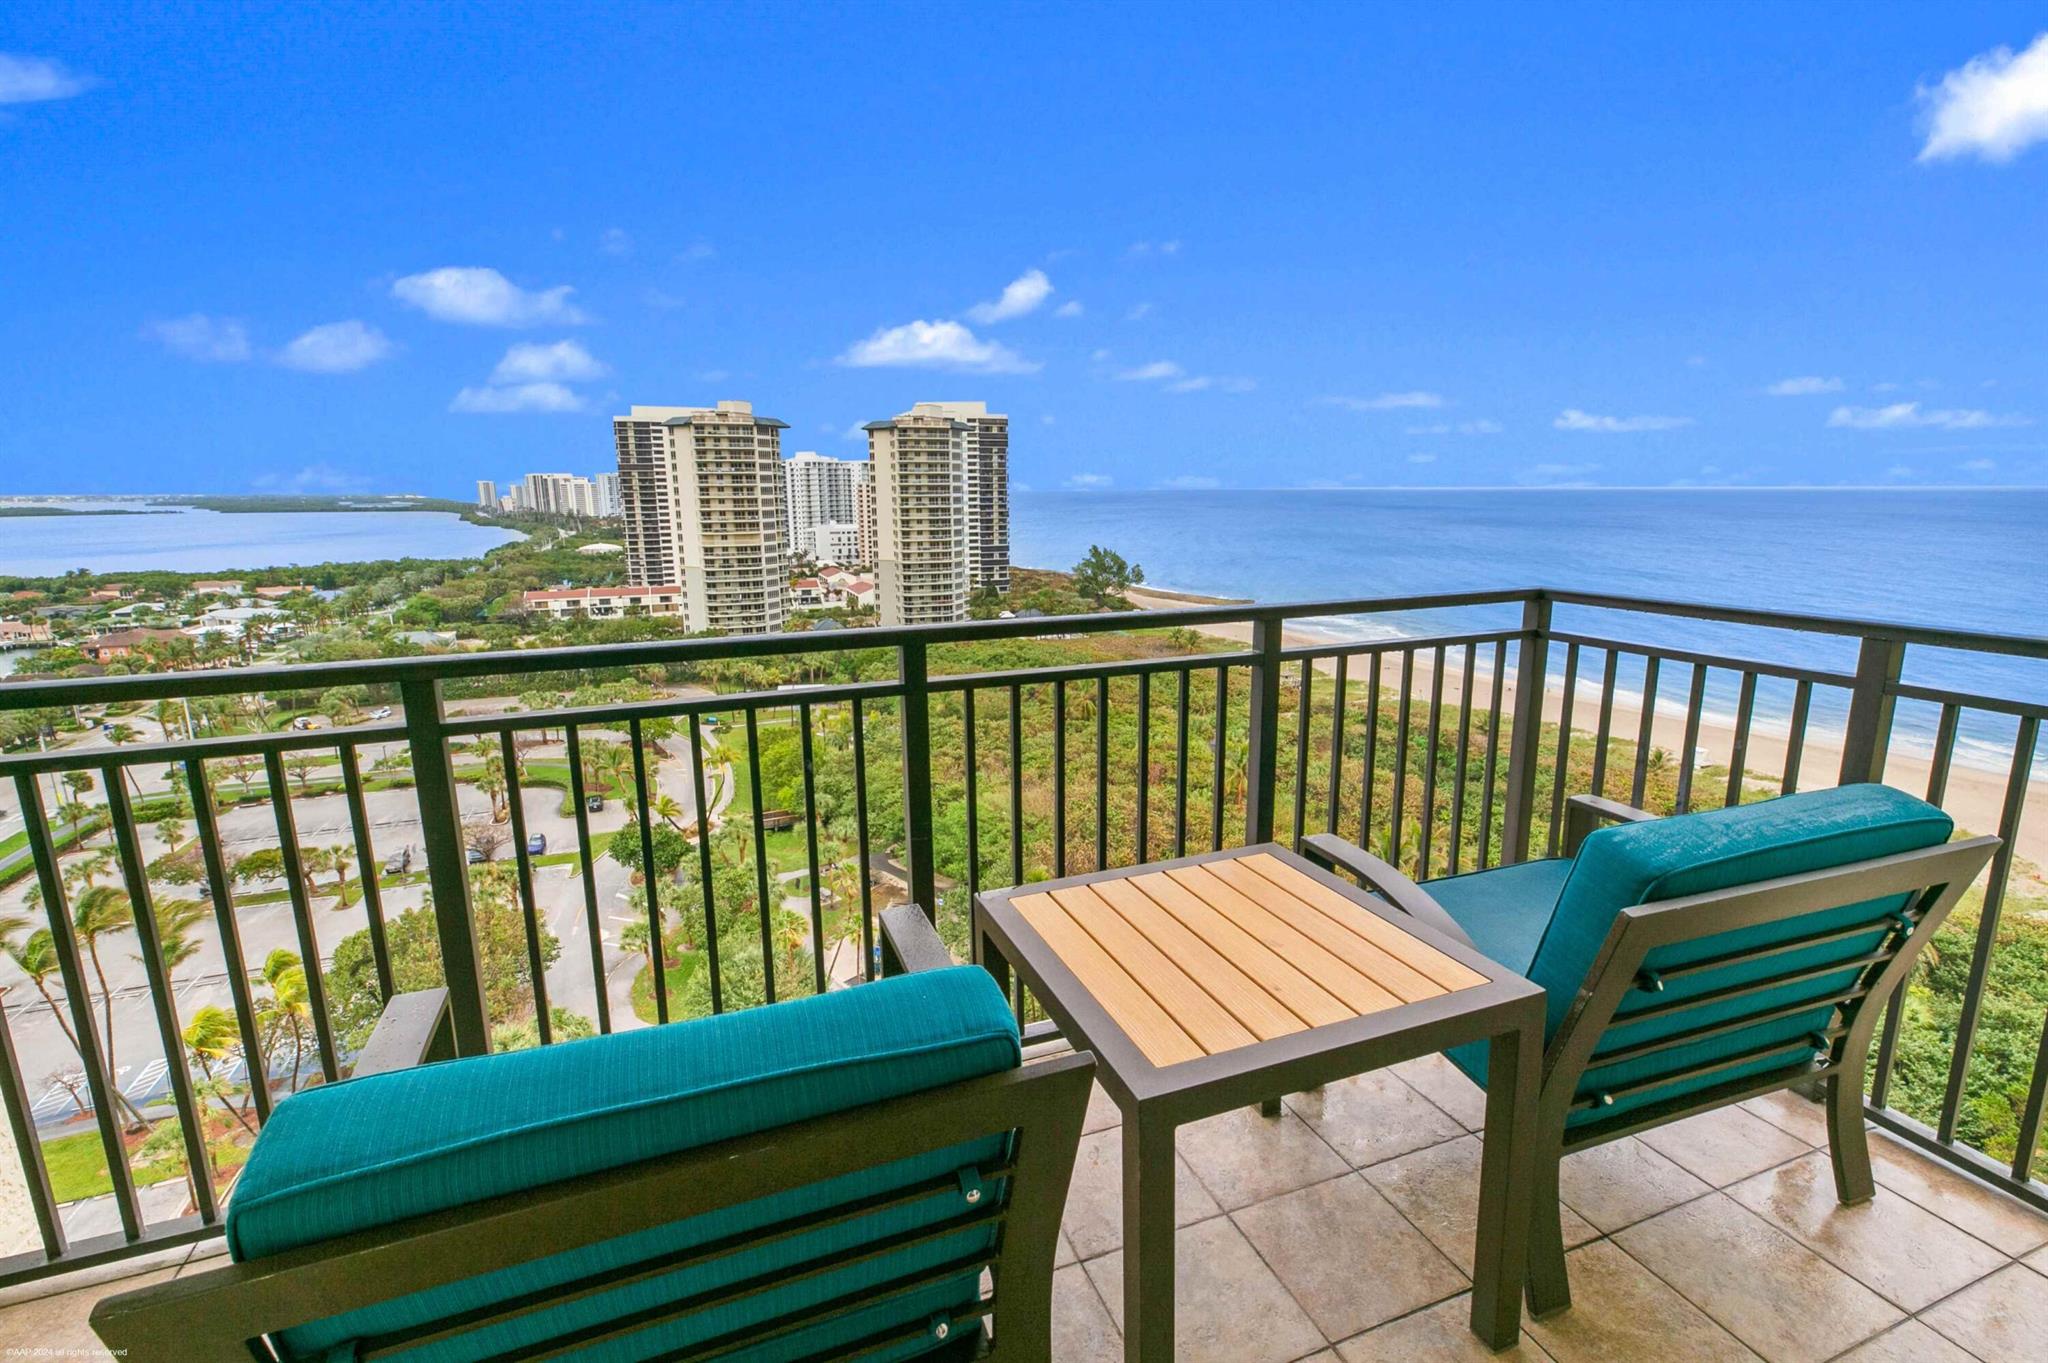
[[487, 494], [921, 546], [702, 494], [988, 490], [608, 496], [817, 490], [832, 542], [556, 494], [604, 602]]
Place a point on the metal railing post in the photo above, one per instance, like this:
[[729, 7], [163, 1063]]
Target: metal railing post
[[1532, 678], [433, 774], [1262, 758], [1869, 735], [917, 777]]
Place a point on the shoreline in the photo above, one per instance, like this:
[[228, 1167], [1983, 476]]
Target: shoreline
[[1975, 797]]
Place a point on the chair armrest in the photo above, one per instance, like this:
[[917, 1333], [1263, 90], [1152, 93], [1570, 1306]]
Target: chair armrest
[[1383, 879], [415, 1029], [910, 943], [1584, 813]]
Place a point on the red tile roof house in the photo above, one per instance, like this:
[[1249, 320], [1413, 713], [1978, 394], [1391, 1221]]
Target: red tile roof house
[[217, 587], [274, 593], [120, 643], [604, 602], [808, 591]]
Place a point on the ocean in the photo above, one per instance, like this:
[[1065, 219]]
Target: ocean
[[186, 540], [1957, 559]]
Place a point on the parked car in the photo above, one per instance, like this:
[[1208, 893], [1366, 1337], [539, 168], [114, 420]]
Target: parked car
[[303, 722], [536, 844], [475, 856], [593, 803], [381, 712], [399, 864]]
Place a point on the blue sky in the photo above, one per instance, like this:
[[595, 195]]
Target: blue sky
[[342, 247]]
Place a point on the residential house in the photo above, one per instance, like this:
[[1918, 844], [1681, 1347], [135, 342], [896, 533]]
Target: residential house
[[604, 603], [118, 644]]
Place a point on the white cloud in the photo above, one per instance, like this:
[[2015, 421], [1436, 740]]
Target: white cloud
[[713, 375], [935, 345], [1572, 419], [336, 348], [1021, 295], [1994, 105], [1555, 475], [479, 296], [696, 252], [616, 241], [1900, 472], [522, 397], [1193, 384], [1202, 383], [1138, 312], [1908, 415], [1979, 465], [1804, 386], [33, 80], [661, 300], [1153, 372], [1089, 482], [1146, 248], [1387, 402], [1049, 419], [533, 362], [1422, 459], [1098, 355], [1192, 482], [1483, 426], [1071, 308], [215, 340]]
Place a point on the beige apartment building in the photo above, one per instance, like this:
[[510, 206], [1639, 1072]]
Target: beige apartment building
[[920, 493], [988, 491], [701, 490]]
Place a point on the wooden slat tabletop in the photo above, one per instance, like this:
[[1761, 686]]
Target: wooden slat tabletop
[[1198, 959]]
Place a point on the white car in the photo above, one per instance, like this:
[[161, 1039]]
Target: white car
[[381, 712]]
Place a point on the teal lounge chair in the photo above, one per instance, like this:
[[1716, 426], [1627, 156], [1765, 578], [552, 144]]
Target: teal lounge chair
[[1694, 961], [834, 1177]]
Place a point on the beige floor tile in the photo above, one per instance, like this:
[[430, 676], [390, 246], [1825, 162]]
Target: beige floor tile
[[1787, 1111], [1082, 1331], [1348, 1257], [2003, 1319], [1373, 1117], [1102, 1113], [1623, 1182], [1094, 1218], [1907, 1342], [55, 1327], [1442, 1334], [1243, 1157], [1438, 1189], [1723, 1146], [1763, 1286], [1904, 1252], [1063, 1252], [1622, 1312], [2038, 1260], [2003, 1222], [1444, 1084], [1229, 1308]]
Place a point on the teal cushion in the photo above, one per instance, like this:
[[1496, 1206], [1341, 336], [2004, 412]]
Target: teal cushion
[[1504, 910], [371, 1151]]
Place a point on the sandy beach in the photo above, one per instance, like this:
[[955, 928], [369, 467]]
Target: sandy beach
[[1974, 796]]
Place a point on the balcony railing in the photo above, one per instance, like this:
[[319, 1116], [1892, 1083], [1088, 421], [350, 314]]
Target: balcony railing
[[156, 1008]]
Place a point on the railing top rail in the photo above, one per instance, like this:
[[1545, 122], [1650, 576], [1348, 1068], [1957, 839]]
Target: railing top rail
[[1929, 636], [525, 662]]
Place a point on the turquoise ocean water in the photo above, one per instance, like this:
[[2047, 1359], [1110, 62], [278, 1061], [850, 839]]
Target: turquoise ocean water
[[1961, 559]]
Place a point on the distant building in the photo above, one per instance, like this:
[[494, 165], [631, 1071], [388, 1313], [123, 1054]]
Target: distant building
[[604, 603], [217, 587], [921, 547], [120, 643], [486, 494], [702, 493], [17, 633], [831, 542], [817, 491], [279, 593], [556, 494], [988, 491], [608, 505], [864, 515]]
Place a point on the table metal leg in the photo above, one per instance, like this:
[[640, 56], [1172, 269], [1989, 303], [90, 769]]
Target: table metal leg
[[1507, 1179], [989, 956], [1148, 1240]]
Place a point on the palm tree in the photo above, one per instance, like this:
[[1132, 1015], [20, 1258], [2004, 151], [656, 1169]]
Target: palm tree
[[36, 957], [175, 942], [287, 1008], [213, 1039], [119, 735], [86, 870], [665, 808], [100, 912]]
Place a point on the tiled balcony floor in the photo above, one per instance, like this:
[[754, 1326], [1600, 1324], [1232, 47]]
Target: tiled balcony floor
[[1341, 1231]]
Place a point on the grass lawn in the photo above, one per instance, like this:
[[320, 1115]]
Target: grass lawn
[[78, 1164], [679, 975]]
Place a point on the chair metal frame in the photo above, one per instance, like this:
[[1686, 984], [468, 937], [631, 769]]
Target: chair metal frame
[[1933, 879], [227, 1313]]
